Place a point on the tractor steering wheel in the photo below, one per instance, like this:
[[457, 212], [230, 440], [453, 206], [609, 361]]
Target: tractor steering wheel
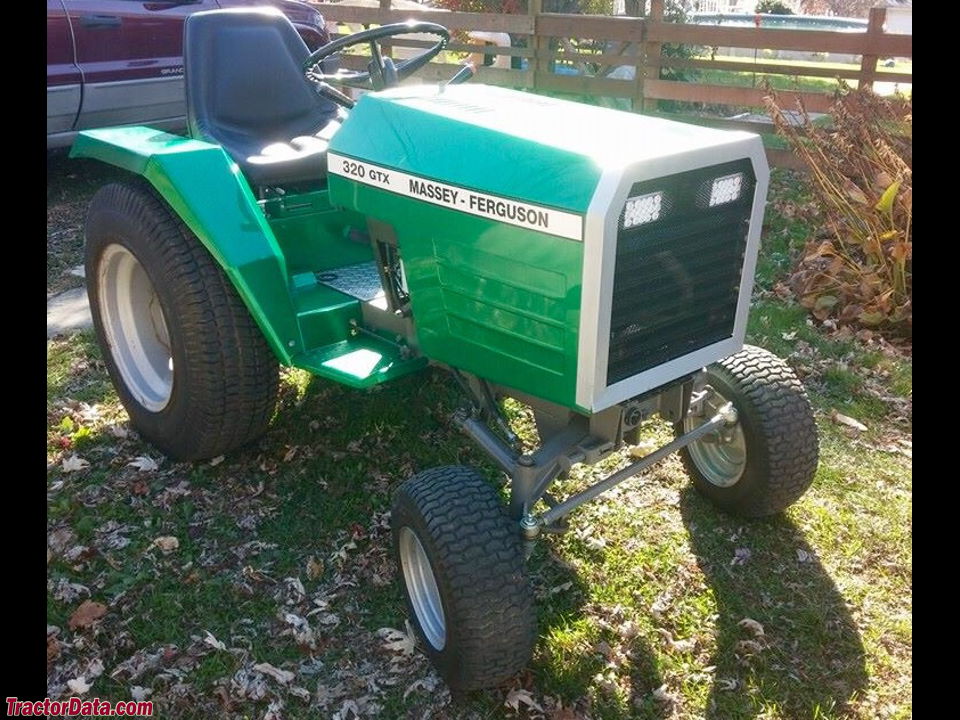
[[381, 71]]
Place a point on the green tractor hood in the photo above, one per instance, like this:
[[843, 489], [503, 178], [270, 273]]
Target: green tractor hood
[[505, 207]]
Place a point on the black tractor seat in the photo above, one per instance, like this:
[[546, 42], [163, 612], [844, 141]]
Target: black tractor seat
[[246, 91]]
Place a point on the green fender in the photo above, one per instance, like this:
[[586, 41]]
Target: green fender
[[206, 189]]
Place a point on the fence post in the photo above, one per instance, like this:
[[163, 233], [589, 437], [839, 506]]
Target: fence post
[[868, 63], [637, 9], [386, 47], [650, 53], [537, 63]]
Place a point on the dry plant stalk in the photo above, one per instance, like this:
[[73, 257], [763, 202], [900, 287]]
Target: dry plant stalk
[[858, 270]]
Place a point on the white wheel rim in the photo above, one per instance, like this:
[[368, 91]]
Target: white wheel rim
[[422, 589], [721, 459], [136, 330]]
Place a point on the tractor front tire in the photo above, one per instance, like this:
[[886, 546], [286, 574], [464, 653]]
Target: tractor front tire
[[465, 581], [190, 365], [767, 460]]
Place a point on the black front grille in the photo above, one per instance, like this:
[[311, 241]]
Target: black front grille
[[677, 279]]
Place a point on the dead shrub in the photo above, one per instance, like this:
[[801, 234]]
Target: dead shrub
[[858, 269]]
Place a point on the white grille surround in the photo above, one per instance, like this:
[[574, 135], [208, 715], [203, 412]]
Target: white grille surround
[[600, 245]]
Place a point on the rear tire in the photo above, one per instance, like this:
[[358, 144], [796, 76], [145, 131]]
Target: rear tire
[[465, 581], [770, 456], [190, 365]]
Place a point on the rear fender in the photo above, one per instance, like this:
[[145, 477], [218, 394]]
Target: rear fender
[[205, 188]]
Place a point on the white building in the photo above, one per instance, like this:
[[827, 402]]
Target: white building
[[717, 6], [899, 16]]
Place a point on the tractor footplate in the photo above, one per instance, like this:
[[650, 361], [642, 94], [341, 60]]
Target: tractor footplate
[[360, 281]]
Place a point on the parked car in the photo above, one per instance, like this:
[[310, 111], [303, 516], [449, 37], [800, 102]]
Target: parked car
[[120, 62]]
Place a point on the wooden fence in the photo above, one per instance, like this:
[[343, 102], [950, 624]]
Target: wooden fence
[[637, 42]]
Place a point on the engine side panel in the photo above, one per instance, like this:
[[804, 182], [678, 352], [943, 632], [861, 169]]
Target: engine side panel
[[492, 299]]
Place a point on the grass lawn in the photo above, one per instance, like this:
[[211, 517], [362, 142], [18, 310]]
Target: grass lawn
[[798, 81], [261, 585]]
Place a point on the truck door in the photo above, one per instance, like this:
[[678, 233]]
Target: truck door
[[63, 75], [131, 55]]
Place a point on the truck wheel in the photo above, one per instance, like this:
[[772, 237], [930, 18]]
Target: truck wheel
[[767, 460], [464, 577], [189, 364]]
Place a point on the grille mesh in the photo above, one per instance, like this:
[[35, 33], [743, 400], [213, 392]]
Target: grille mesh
[[677, 279]]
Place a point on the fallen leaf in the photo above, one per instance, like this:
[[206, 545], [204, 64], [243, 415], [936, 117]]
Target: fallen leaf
[[94, 670], [213, 642], [166, 543], [789, 335], [519, 696], [274, 710], [281, 676], [74, 463], [314, 568], [596, 543], [752, 625], [300, 692], [748, 647], [398, 640], [643, 449], [142, 662], [842, 419], [661, 605], [144, 463], [118, 431], [429, 684], [53, 650], [803, 556], [78, 686], [661, 695], [217, 460], [885, 204], [854, 193], [727, 684], [85, 615], [741, 556], [348, 710], [629, 630]]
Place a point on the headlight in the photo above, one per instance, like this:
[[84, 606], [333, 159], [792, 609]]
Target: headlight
[[726, 189], [642, 209]]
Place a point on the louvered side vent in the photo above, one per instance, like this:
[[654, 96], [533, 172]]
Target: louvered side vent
[[678, 266]]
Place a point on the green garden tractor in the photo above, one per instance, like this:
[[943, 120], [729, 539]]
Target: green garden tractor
[[593, 264]]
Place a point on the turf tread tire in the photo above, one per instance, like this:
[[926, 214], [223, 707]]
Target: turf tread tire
[[226, 376], [476, 555], [781, 434]]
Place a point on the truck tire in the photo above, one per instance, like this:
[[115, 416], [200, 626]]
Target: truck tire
[[769, 458], [190, 365], [465, 581]]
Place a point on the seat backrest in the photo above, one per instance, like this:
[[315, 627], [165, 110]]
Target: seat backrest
[[244, 82]]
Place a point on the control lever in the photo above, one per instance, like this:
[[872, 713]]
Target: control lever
[[463, 74]]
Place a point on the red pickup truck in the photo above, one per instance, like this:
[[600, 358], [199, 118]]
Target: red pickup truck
[[119, 62]]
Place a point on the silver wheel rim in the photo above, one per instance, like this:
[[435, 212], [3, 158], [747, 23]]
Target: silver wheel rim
[[422, 589], [136, 330], [720, 458]]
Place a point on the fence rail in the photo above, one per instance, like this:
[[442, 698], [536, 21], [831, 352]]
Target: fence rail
[[546, 38]]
